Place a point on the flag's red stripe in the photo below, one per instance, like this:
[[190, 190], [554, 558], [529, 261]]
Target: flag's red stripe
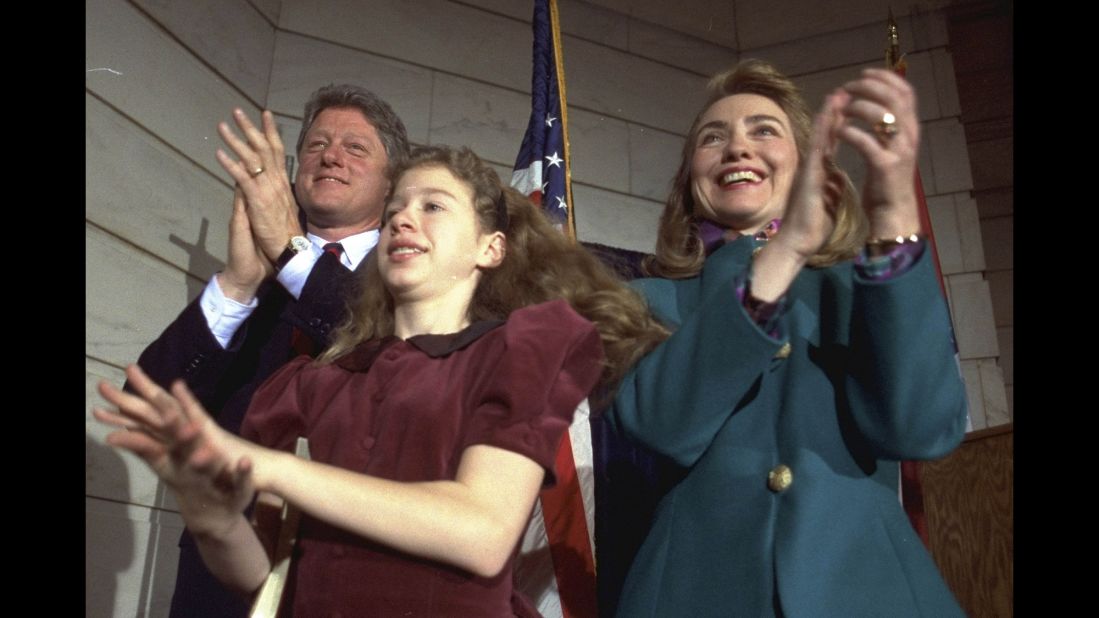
[[911, 485], [567, 531], [912, 495], [925, 223]]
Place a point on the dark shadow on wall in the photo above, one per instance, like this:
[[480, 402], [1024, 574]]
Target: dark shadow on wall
[[201, 264], [112, 541], [108, 531], [158, 578]]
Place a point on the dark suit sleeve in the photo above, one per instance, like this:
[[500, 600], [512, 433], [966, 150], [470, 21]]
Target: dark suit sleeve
[[324, 299], [187, 349], [903, 384], [678, 396]]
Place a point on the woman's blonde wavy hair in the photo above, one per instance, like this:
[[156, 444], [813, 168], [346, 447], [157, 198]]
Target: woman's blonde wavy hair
[[679, 251], [540, 264]]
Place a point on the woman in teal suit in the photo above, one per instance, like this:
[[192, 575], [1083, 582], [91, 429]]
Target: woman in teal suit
[[812, 351]]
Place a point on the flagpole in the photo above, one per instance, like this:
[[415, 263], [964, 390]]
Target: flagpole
[[559, 61], [894, 61], [910, 482]]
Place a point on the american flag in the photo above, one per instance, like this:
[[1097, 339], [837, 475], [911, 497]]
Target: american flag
[[541, 169], [556, 567]]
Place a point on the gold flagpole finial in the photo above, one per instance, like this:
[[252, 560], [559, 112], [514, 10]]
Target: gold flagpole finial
[[894, 60]]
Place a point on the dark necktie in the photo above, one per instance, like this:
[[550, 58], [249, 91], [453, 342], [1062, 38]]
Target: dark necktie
[[299, 342]]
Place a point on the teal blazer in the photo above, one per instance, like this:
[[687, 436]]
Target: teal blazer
[[870, 378]]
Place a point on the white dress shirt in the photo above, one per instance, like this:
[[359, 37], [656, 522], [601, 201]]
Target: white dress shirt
[[225, 315]]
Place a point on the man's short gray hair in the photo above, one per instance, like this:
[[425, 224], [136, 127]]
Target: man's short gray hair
[[386, 122]]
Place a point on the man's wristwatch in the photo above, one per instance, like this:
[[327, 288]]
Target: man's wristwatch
[[296, 245]]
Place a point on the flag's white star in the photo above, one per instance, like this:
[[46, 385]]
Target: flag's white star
[[549, 120], [561, 202], [544, 185], [553, 159]]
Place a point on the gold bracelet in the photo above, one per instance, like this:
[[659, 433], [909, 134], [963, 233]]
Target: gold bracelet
[[881, 246]]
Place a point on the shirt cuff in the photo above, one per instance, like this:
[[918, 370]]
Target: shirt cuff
[[767, 316], [223, 314], [893, 264], [296, 272]]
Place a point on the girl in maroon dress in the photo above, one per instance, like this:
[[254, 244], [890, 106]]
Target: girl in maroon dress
[[433, 420]]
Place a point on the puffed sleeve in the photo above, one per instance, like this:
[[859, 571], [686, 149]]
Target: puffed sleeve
[[276, 417], [552, 358]]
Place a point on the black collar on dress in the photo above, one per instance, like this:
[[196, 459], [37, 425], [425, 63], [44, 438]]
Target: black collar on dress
[[442, 345], [362, 356]]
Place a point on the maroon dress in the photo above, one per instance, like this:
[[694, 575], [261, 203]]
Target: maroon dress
[[406, 410]]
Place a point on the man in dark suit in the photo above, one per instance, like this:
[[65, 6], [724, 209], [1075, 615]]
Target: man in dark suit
[[286, 280]]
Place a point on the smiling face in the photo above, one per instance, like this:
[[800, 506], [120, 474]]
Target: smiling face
[[341, 180], [432, 247], [744, 162]]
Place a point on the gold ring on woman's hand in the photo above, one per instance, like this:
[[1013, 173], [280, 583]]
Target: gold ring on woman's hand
[[886, 128]]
